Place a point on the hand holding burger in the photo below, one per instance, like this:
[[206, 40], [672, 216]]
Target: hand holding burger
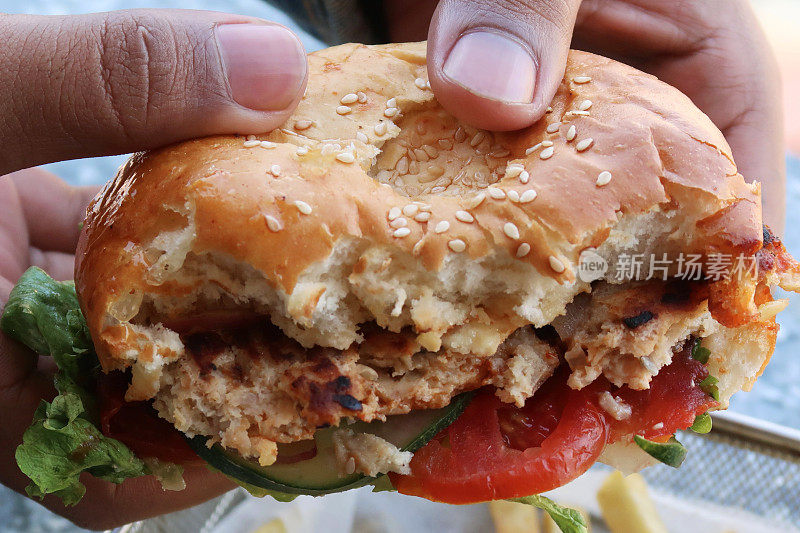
[[127, 123]]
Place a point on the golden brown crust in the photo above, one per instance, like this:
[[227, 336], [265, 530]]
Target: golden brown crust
[[662, 153]]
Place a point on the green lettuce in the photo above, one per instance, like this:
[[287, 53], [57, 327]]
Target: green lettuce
[[671, 453], [63, 441], [568, 520]]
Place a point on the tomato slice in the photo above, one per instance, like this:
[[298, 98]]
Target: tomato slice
[[138, 426], [671, 403], [497, 451], [492, 452]]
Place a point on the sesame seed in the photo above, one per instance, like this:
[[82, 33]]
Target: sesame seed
[[502, 152], [343, 109], [577, 113], [303, 207], [350, 466], [268, 144], [445, 144], [273, 223], [345, 157], [302, 150], [584, 144], [460, 135], [585, 105], [554, 127], [511, 230], [362, 137], [432, 152], [572, 132], [420, 83], [349, 98], [410, 210], [380, 129], [442, 226], [275, 170], [423, 206], [603, 178], [477, 139], [523, 249], [513, 195], [422, 216], [417, 247], [547, 153], [428, 85], [252, 143], [581, 79], [464, 216], [476, 200], [556, 264], [250, 138], [401, 232], [419, 154], [543, 144], [391, 102], [399, 222], [514, 170], [528, 196], [394, 213], [402, 165], [329, 148], [389, 112], [457, 245], [533, 148], [524, 176], [362, 98], [437, 190], [497, 194]]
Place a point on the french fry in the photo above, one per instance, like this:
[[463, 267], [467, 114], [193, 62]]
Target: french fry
[[275, 525], [626, 505], [512, 517]]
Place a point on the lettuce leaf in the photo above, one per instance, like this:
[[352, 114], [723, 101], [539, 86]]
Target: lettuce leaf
[[63, 440], [61, 444], [44, 315], [568, 520]]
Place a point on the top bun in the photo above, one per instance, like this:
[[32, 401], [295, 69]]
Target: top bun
[[372, 203]]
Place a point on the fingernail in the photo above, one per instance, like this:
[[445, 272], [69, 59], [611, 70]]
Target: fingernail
[[492, 65], [265, 64]]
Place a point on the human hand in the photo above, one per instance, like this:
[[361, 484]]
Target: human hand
[[504, 78], [114, 83]]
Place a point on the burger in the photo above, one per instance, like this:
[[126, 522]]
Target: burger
[[377, 294]]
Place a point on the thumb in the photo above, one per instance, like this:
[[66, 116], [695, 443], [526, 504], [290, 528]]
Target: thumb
[[496, 65], [123, 81]]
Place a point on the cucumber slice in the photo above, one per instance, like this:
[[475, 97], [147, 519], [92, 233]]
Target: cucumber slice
[[317, 476]]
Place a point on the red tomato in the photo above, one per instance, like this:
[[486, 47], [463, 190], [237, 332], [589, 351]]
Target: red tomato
[[138, 426], [497, 451], [671, 403], [491, 452]]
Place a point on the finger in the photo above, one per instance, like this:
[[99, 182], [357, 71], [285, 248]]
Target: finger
[[106, 505], [59, 265], [128, 80], [497, 65], [53, 210], [13, 232]]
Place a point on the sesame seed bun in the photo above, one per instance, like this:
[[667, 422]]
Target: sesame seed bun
[[374, 205]]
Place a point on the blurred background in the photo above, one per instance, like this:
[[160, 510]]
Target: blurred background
[[775, 398]]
